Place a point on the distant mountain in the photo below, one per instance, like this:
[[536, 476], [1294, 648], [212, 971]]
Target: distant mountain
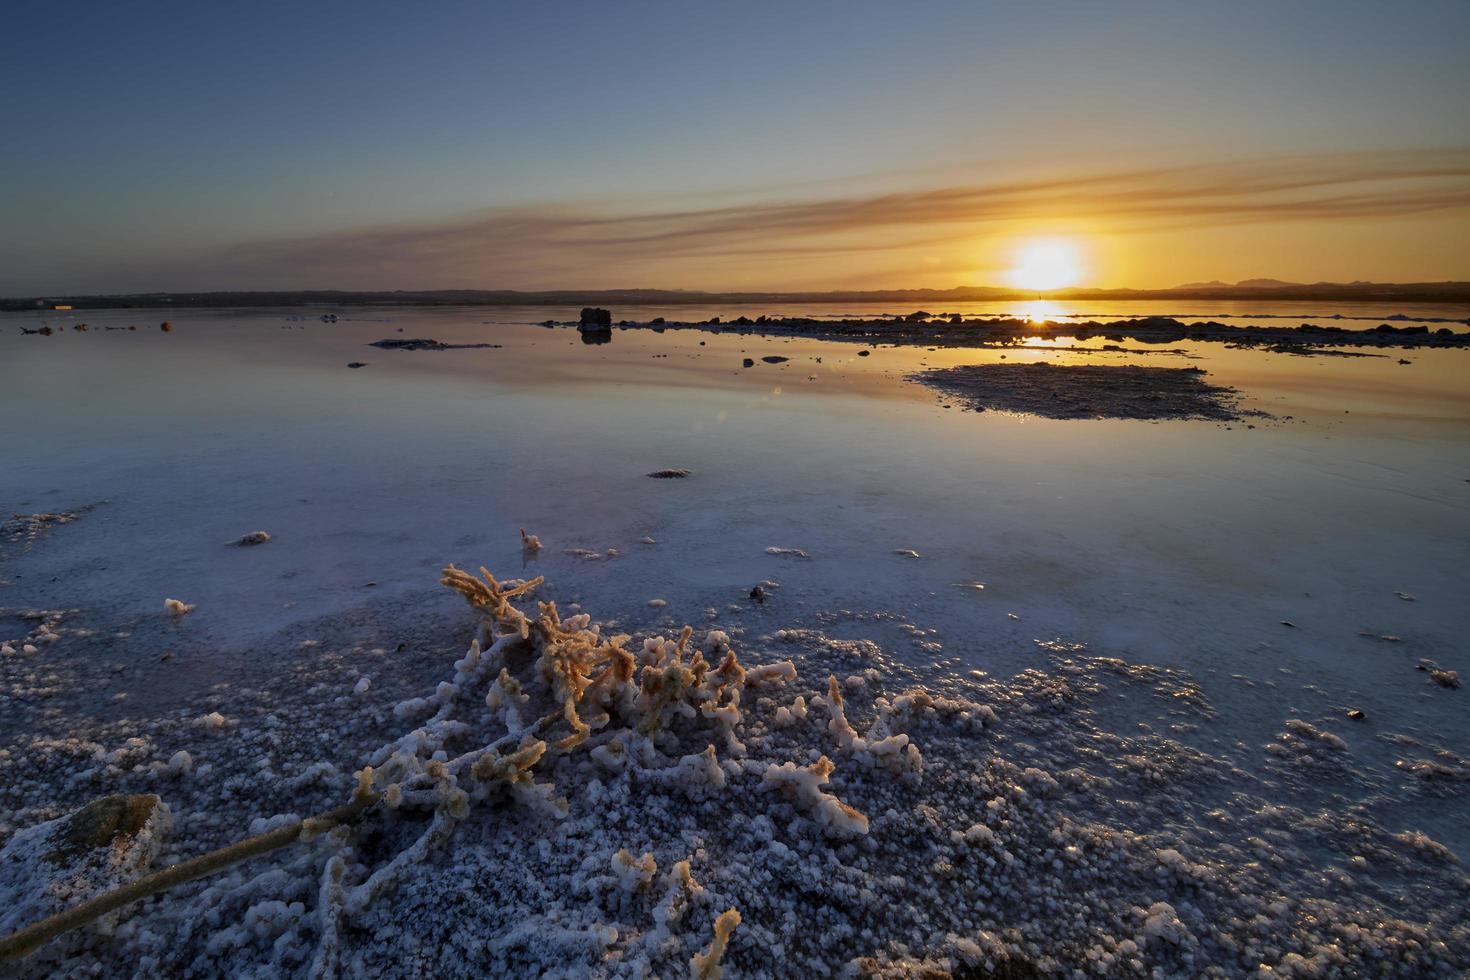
[[1267, 284], [1248, 284]]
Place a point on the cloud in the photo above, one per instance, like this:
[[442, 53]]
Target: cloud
[[550, 244]]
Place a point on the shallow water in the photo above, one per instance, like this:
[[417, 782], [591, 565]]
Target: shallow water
[[1178, 543]]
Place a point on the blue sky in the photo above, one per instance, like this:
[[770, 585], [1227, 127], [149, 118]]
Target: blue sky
[[147, 143]]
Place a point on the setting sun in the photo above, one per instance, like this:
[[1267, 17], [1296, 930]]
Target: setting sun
[[1046, 264]]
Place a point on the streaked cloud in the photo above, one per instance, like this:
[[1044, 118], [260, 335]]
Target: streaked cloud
[[562, 245]]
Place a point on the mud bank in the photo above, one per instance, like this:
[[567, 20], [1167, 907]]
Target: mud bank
[[1086, 391], [953, 330]]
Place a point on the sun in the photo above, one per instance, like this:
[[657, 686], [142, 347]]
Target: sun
[[1046, 264]]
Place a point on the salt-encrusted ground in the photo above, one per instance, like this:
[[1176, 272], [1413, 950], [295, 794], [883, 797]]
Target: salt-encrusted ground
[[1236, 593], [1057, 820]]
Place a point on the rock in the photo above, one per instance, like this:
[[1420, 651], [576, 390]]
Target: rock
[[253, 538], [111, 820], [918, 315], [775, 359], [55, 865], [357, 364], [758, 594], [166, 327], [669, 474], [1357, 714], [862, 353], [749, 362], [593, 316]]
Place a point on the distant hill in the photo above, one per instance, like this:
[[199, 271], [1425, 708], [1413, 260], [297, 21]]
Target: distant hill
[[1243, 284], [1253, 289]]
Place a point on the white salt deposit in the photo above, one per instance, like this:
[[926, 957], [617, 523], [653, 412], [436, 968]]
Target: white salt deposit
[[1104, 814]]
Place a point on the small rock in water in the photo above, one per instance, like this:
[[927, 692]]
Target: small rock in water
[[357, 364], [176, 608], [1356, 714], [757, 594], [254, 537], [1287, 622], [669, 474], [749, 362], [862, 353], [907, 553], [1405, 596], [775, 359], [595, 317]]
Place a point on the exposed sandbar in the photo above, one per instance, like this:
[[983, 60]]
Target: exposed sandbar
[[1086, 391]]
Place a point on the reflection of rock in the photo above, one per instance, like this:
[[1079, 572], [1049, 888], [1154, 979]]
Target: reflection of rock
[[593, 334], [57, 864], [420, 343], [593, 316]]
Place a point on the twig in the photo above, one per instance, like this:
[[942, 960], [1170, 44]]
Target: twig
[[32, 937]]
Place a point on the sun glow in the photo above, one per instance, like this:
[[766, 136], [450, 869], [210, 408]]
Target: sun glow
[[1045, 264]]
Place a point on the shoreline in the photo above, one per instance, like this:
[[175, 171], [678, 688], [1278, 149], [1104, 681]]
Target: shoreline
[[954, 331]]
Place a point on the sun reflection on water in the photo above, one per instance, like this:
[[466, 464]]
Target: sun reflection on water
[[1041, 310]]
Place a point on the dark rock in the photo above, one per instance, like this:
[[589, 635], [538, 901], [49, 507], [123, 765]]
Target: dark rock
[[1357, 714], [775, 359], [862, 353], [357, 364], [669, 474], [758, 594], [58, 864], [165, 326], [918, 315], [749, 362], [101, 822], [596, 317]]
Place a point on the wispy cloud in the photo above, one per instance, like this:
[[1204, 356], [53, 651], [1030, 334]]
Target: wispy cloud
[[584, 247]]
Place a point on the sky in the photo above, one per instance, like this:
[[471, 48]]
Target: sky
[[565, 145]]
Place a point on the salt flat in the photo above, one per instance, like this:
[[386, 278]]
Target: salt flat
[[1170, 622]]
